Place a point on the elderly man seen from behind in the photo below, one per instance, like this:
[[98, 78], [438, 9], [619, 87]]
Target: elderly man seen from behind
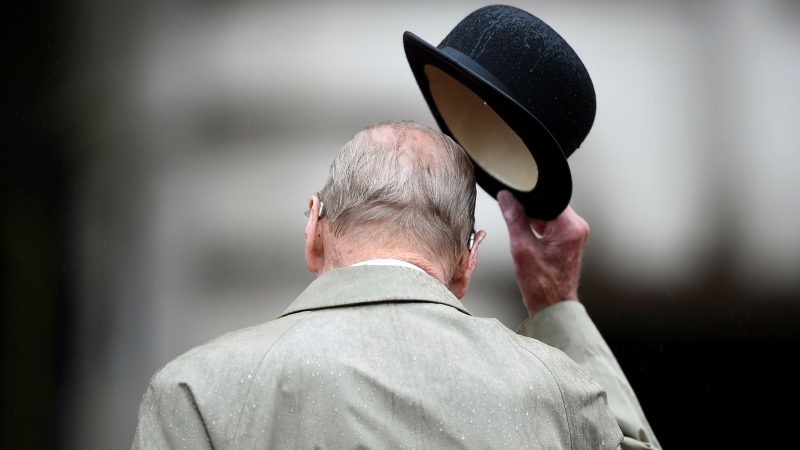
[[378, 351]]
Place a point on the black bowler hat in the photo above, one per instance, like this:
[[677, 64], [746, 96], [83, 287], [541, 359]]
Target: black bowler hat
[[515, 95]]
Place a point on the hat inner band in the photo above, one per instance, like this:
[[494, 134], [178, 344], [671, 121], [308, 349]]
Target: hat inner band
[[483, 134]]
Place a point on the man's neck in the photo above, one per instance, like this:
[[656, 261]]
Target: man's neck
[[348, 258]]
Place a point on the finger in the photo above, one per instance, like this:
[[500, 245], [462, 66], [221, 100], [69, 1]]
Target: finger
[[567, 227], [538, 226], [514, 215], [572, 223]]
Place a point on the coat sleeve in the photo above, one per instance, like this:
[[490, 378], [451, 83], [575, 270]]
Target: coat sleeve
[[567, 327], [169, 417]]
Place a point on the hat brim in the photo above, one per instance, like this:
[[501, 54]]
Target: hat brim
[[553, 190]]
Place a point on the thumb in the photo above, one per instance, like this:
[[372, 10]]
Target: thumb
[[514, 215]]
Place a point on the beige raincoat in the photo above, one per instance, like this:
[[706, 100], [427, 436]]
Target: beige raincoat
[[387, 357]]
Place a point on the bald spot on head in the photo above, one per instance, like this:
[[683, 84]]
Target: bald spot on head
[[413, 145], [400, 187]]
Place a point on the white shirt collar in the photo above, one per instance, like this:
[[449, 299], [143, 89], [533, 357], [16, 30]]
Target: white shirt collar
[[387, 262]]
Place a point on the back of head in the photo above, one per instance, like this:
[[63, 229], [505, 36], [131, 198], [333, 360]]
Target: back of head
[[402, 185]]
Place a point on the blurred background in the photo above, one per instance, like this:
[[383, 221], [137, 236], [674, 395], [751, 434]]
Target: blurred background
[[157, 160]]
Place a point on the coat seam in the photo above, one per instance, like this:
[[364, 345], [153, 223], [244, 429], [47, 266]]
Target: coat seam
[[258, 367], [549, 371]]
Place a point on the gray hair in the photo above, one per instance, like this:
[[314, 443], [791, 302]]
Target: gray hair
[[404, 184]]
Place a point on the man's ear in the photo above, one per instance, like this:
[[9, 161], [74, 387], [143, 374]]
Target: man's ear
[[466, 265], [315, 251]]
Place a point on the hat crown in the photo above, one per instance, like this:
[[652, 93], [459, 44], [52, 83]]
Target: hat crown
[[537, 67]]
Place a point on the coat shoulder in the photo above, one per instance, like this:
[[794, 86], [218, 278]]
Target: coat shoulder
[[229, 355], [591, 422]]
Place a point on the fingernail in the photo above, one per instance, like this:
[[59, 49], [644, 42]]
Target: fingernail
[[505, 199]]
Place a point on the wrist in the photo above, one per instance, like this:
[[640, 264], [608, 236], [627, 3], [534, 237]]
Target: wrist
[[533, 309]]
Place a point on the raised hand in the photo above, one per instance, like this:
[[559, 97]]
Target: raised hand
[[547, 267]]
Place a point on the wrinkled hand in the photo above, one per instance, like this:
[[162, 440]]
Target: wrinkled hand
[[547, 268]]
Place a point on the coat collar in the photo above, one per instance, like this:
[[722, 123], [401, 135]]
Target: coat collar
[[360, 285]]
